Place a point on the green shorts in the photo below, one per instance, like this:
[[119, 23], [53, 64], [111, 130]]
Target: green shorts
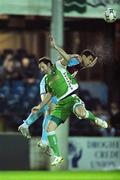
[[64, 108]]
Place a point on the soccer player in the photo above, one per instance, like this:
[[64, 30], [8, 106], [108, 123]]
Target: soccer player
[[60, 83], [73, 66]]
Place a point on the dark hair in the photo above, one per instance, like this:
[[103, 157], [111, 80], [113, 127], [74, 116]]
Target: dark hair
[[88, 52], [45, 60]]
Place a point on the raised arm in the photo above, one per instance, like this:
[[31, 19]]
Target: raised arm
[[66, 57]]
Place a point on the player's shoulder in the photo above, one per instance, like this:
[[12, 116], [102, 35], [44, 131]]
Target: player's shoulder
[[43, 80], [44, 77], [59, 64], [73, 61]]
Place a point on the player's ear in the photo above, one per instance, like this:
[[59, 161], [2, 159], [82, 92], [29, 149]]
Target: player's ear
[[48, 64], [83, 56]]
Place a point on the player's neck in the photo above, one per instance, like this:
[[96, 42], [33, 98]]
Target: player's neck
[[49, 70]]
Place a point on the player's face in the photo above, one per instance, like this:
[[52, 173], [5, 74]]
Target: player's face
[[87, 60], [44, 68]]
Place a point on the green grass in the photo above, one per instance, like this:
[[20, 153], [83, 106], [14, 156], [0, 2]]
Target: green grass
[[61, 175]]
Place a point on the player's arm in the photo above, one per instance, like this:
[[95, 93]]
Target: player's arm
[[66, 57], [43, 89], [43, 96], [91, 64], [45, 101]]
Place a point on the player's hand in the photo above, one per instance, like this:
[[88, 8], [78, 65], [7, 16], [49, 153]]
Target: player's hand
[[52, 41], [92, 63]]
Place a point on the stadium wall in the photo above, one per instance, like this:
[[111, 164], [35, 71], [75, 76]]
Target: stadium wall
[[74, 8]]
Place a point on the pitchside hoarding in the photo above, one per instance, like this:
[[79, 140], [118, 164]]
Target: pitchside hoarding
[[91, 153]]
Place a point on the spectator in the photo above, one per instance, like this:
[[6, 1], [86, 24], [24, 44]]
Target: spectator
[[29, 68], [115, 117]]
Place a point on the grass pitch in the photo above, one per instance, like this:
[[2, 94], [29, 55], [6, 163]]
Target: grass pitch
[[61, 175]]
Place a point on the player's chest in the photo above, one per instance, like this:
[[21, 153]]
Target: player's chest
[[53, 80]]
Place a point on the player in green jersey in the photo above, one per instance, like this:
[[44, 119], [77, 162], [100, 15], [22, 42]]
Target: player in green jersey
[[60, 83]]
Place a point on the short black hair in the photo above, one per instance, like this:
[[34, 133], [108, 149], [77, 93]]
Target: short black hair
[[45, 60], [88, 52]]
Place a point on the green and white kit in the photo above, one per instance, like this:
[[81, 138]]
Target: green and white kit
[[60, 83]]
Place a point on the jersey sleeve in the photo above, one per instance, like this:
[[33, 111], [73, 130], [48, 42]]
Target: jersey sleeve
[[42, 86], [73, 62], [74, 65]]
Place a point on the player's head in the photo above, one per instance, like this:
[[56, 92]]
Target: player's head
[[45, 64], [87, 57]]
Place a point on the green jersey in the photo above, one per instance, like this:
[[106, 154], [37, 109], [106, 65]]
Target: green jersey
[[60, 82]]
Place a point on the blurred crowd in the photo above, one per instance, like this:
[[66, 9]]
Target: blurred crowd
[[19, 87], [19, 92]]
